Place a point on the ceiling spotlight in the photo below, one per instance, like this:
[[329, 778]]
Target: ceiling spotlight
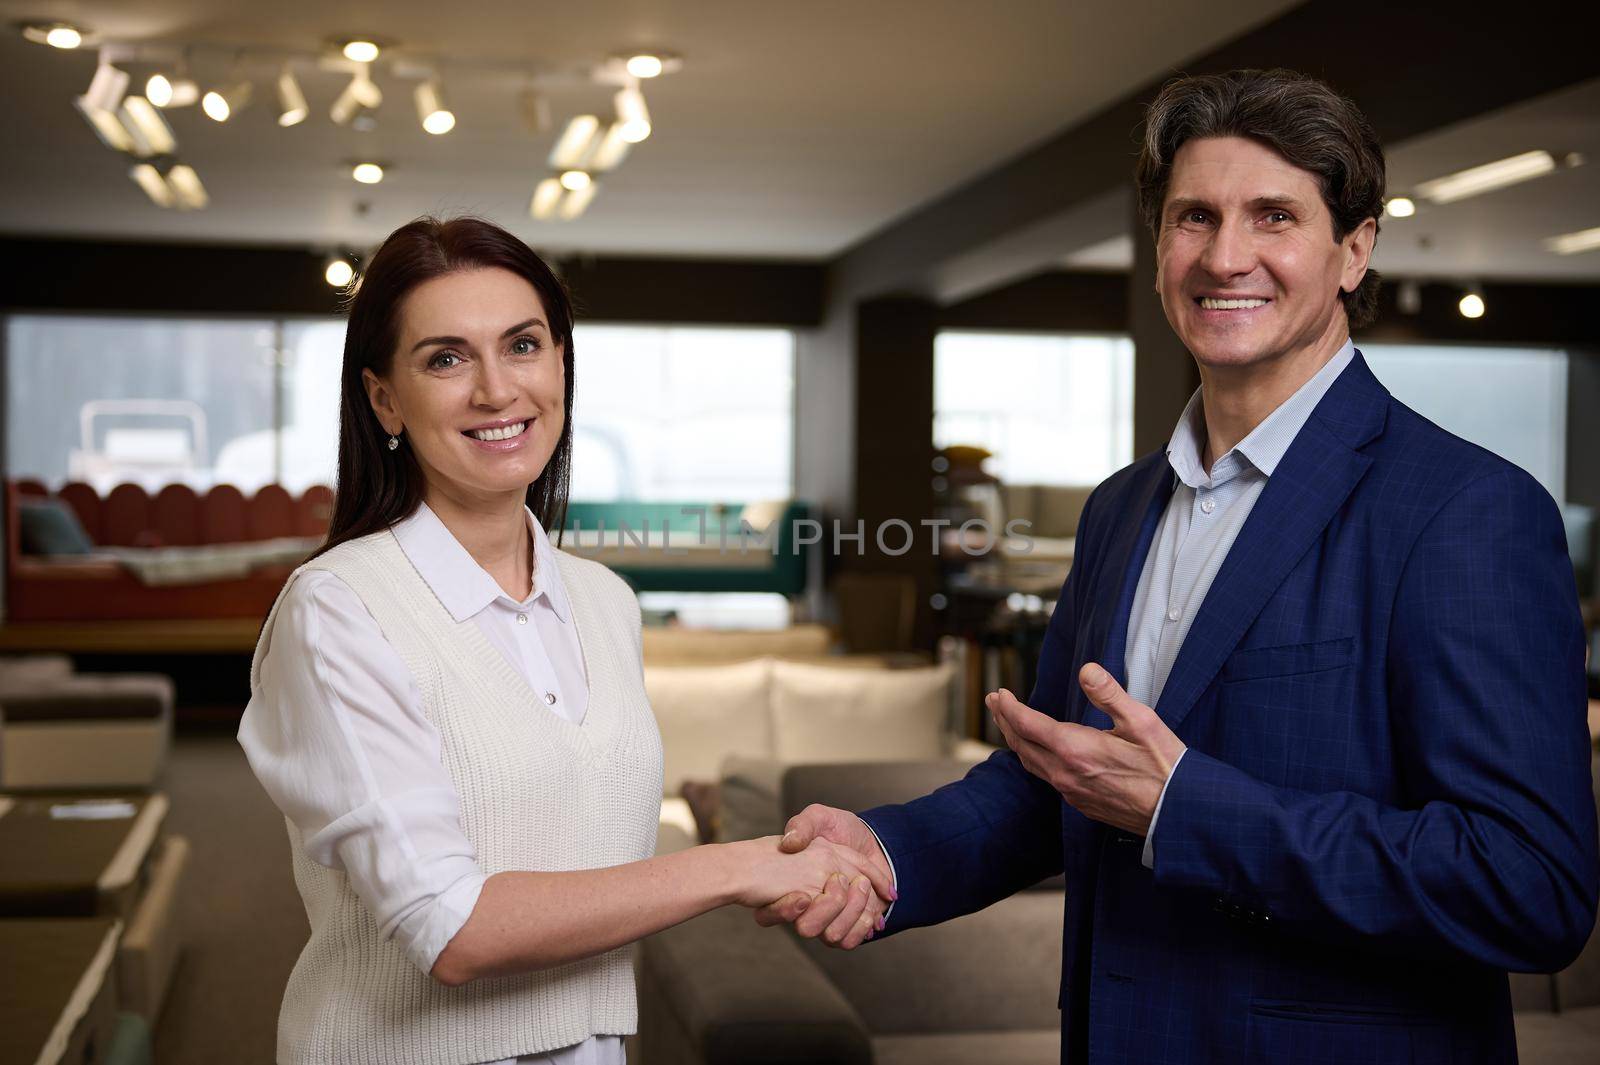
[[186, 183], [611, 150], [61, 35], [107, 88], [100, 105], [545, 197], [360, 51], [359, 96], [1471, 305], [367, 173], [1573, 243], [644, 66], [149, 129], [1488, 177], [292, 109], [578, 200], [148, 178], [632, 114], [572, 147], [222, 104], [179, 91], [339, 272], [435, 116], [1400, 207], [573, 180]]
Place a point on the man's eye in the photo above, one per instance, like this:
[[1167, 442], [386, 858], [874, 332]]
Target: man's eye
[[1277, 216], [1195, 218]]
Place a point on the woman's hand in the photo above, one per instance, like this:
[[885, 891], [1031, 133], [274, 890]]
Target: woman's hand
[[762, 874]]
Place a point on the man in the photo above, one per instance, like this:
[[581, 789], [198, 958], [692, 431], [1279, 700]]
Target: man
[[1363, 792]]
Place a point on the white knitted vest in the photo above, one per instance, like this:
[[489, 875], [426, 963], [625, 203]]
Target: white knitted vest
[[538, 793]]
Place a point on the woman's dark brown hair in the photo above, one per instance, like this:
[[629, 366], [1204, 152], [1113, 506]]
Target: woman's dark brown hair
[[378, 487], [1297, 116]]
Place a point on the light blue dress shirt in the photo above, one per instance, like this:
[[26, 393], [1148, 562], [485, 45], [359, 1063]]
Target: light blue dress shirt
[[1198, 528]]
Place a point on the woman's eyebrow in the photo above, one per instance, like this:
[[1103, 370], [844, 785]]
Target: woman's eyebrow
[[427, 342]]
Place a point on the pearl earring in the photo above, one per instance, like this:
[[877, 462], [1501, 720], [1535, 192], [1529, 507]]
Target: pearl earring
[[394, 442]]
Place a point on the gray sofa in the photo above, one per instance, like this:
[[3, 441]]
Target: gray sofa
[[719, 990]]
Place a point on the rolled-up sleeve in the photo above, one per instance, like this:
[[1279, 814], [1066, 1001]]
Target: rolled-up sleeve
[[336, 734]]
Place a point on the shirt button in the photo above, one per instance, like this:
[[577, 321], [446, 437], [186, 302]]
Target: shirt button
[[550, 698], [522, 619], [1208, 505], [1172, 615]]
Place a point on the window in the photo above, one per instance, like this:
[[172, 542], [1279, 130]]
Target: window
[[673, 413], [1053, 409], [1512, 401]]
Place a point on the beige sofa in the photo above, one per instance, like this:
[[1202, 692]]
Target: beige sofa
[[737, 726]]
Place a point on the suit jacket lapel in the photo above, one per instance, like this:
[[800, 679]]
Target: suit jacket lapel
[[1311, 483]]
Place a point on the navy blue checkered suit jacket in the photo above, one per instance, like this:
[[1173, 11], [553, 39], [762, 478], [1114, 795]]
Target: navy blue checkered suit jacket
[[1386, 802]]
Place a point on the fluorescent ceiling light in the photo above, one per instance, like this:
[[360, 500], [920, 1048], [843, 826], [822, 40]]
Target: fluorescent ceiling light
[[292, 109], [106, 125], [578, 200], [1488, 177], [545, 197], [148, 178], [1573, 243], [572, 147], [151, 134]]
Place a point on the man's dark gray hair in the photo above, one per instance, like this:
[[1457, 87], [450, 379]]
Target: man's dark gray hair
[[1300, 118]]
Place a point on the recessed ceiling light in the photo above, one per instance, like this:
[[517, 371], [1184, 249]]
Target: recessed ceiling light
[[338, 272], [361, 51], [367, 173], [63, 35], [1471, 305], [645, 65], [1573, 243], [1400, 207]]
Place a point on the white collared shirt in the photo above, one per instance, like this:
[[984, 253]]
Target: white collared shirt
[[338, 738], [1197, 530]]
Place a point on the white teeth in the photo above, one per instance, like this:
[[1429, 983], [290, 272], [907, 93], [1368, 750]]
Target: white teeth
[[503, 433], [1229, 305]]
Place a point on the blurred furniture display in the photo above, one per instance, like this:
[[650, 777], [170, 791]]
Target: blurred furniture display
[[696, 547], [106, 855], [73, 555], [670, 645], [720, 990], [63, 730], [65, 1011]]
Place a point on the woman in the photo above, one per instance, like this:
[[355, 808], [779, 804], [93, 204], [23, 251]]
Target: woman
[[451, 713]]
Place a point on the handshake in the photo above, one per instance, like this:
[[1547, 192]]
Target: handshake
[[827, 876]]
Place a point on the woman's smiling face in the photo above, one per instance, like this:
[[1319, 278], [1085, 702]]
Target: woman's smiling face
[[477, 384]]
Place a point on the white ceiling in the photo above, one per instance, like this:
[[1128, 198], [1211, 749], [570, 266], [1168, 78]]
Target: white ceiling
[[794, 129]]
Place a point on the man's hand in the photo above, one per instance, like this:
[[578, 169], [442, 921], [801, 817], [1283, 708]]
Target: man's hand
[[846, 914], [1111, 776]]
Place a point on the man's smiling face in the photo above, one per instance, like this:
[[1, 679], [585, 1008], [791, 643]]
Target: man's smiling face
[[1247, 265]]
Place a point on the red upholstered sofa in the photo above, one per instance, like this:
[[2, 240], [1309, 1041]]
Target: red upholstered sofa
[[86, 587]]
